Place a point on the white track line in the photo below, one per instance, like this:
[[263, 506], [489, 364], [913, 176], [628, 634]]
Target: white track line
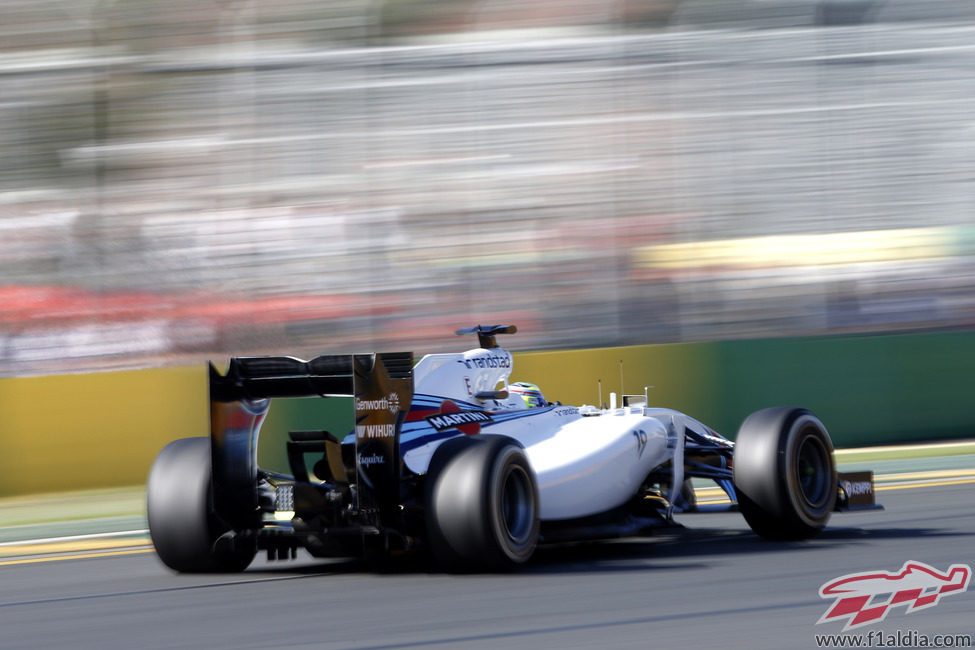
[[75, 538]]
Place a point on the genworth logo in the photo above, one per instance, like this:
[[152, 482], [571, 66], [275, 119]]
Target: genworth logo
[[389, 403], [866, 598]]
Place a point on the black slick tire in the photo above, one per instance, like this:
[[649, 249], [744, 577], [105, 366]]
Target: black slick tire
[[784, 473], [183, 527], [482, 504]]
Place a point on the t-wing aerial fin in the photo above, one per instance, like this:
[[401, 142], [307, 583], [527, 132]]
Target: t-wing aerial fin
[[486, 334]]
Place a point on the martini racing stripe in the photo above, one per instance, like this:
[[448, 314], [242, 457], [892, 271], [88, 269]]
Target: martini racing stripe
[[429, 420], [419, 441]]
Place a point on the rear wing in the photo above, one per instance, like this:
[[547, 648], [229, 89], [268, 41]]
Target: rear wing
[[381, 386], [254, 378]]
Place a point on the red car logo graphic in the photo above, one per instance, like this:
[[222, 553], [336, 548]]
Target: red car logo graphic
[[865, 598]]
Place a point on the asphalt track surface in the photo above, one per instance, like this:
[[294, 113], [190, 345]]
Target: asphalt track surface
[[711, 584]]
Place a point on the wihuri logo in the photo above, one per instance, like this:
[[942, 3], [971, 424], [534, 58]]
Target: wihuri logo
[[866, 598]]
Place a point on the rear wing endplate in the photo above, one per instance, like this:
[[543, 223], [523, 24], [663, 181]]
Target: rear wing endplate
[[381, 386]]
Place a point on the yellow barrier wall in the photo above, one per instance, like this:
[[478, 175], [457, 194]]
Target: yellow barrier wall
[[74, 432], [104, 430], [677, 373]]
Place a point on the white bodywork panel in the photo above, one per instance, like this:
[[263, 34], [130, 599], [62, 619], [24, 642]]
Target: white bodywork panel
[[586, 460], [593, 463]]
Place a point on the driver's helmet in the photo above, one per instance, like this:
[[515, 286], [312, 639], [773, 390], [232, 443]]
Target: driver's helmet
[[529, 392]]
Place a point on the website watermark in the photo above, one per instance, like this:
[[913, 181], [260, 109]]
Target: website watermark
[[896, 639], [866, 598]]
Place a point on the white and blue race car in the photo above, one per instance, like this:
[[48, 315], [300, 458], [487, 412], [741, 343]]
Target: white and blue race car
[[447, 455]]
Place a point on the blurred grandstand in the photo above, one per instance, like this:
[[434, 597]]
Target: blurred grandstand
[[185, 179]]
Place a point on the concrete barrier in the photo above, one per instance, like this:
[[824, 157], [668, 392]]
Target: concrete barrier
[[867, 390], [76, 432]]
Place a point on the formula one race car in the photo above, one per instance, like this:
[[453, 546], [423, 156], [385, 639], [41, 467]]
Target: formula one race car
[[446, 455]]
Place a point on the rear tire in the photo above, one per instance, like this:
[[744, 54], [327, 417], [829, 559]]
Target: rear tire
[[482, 504], [183, 527], [784, 473]]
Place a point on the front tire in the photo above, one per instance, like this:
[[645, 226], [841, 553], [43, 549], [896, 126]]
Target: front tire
[[784, 473], [182, 524], [482, 504]]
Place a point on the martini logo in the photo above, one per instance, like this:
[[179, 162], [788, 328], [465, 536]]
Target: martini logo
[[452, 417], [866, 598]]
